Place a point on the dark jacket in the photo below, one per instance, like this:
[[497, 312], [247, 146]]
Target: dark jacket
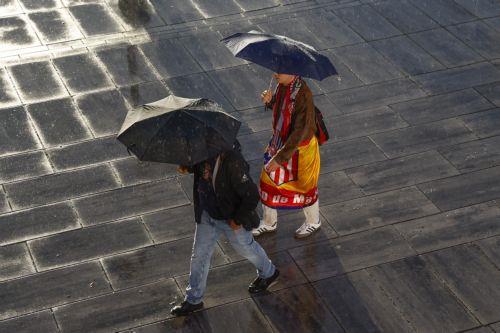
[[237, 195]]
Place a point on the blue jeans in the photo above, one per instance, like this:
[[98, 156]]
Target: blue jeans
[[207, 233]]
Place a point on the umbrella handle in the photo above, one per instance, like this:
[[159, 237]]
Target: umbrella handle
[[269, 89]]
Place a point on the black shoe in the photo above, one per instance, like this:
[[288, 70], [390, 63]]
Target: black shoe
[[185, 308], [261, 284]]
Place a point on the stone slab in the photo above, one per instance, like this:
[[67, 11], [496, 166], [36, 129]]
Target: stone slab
[[130, 201], [293, 28], [143, 93], [403, 15], [424, 137], [40, 4], [401, 172], [336, 187], [452, 228], [17, 134], [484, 124], [188, 324], [136, 15], [344, 80], [21, 34], [49, 289], [215, 8], [173, 11], [8, 95], [58, 122], [491, 92], [88, 243], [171, 224], [55, 26], [254, 120], [445, 12], [17, 167], [10, 7], [464, 190], [481, 8], [120, 310], [82, 73], [439, 107], [459, 267], [37, 222], [153, 263], [95, 19], [491, 247], [258, 4], [326, 106], [15, 261], [60, 186], [131, 171], [446, 48], [376, 95], [482, 38], [378, 210], [4, 205], [42, 321], [474, 155]]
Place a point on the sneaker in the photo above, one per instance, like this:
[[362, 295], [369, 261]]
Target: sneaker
[[307, 229], [185, 308], [263, 228], [261, 284]]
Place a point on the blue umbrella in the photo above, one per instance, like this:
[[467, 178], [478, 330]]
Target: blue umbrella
[[280, 54]]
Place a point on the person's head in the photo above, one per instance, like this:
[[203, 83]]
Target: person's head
[[284, 79]]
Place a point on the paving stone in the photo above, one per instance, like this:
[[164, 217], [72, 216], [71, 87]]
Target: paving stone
[[44, 290], [36, 81], [491, 247], [336, 187], [420, 138], [258, 4], [367, 22], [39, 4], [359, 305], [482, 38], [153, 263], [42, 321], [481, 8], [254, 120], [321, 260], [120, 310], [208, 51], [170, 58], [60, 186], [464, 190], [298, 309], [401, 172], [8, 96], [322, 22], [484, 124], [16, 135], [444, 106], [451, 228], [196, 85], [494, 22], [130, 201], [459, 267], [369, 65], [132, 171], [215, 8], [229, 283], [139, 94], [241, 96], [88, 152], [136, 14], [348, 154], [375, 96], [417, 293], [126, 65], [104, 111], [459, 78], [18, 33], [58, 122], [496, 327], [378, 210], [4, 205], [481, 330], [10, 7], [445, 12], [94, 19], [189, 324], [171, 224], [407, 55], [88, 243], [173, 11], [55, 26], [403, 15], [326, 106], [491, 92], [364, 123], [81, 73], [474, 155], [15, 261], [294, 29], [344, 80], [446, 48]]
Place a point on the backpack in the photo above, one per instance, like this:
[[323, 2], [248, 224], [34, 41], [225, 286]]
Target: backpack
[[321, 130]]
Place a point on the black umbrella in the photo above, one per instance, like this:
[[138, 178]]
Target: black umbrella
[[280, 54], [178, 130]]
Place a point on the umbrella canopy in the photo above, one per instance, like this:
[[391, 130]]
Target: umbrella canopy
[[280, 54], [178, 130]]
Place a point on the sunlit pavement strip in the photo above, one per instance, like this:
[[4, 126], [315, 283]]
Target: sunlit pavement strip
[[93, 241]]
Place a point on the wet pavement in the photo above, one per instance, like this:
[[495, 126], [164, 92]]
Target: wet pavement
[[91, 240]]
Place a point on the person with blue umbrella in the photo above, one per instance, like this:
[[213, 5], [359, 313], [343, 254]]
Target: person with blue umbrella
[[289, 178]]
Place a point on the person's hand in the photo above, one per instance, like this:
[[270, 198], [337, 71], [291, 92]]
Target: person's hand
[[266, 96], [233, 225], [272, 165], [182, 169]]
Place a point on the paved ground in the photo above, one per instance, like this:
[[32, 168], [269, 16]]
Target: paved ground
[[93, 241]]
